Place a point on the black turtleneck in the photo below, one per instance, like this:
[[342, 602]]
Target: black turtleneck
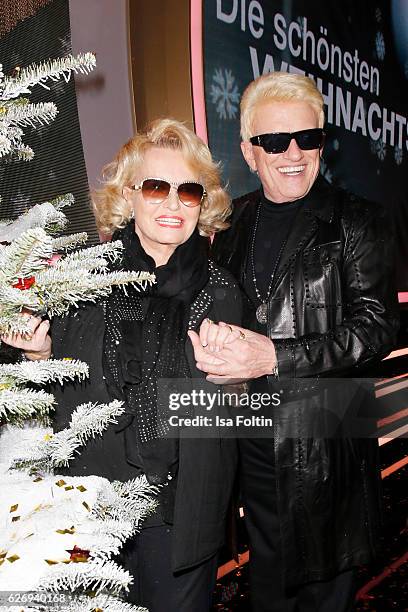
[[274, 223]]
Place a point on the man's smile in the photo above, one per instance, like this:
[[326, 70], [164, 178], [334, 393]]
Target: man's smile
[[291, 170]]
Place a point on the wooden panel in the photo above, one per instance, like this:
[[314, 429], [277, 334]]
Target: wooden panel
[[160, 54]]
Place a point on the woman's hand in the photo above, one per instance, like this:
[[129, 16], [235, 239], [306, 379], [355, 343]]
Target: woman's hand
[[250, 356], [36, 344], [214, 336]]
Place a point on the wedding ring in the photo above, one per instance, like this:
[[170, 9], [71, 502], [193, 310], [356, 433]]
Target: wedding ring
[[242, 336], [210, 322]]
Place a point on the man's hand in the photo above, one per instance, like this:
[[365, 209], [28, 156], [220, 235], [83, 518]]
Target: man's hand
[[36, 344], [248, 355]]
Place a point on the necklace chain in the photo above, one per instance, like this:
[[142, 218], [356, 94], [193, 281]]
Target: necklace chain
[[257, 292]]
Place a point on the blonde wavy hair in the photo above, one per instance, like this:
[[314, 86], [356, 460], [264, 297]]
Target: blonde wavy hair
[[278, 87], [111, 209]]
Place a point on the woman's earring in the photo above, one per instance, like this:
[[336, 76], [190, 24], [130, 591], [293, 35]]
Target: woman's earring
[[132, 214]]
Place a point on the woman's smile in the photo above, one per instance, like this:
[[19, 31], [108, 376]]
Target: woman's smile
[[170, 221]]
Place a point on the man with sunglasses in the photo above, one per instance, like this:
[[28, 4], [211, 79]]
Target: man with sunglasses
[[315, 267]]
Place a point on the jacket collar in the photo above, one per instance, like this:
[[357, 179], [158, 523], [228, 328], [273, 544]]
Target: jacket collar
[[318, 205], [319, 202]]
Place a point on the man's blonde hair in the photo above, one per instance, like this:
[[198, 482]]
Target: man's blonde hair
[[278, 87], [111, 209]]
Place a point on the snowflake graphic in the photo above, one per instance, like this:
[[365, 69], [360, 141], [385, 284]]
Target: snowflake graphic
[[224, 93], [378, 14], [324, 171], [380, 45], [379, 148], [398, 155], [336, 144]]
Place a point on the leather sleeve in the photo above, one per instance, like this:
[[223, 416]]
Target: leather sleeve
[[370, 323]]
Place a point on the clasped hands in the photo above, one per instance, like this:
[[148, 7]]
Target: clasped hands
[[230, 354]]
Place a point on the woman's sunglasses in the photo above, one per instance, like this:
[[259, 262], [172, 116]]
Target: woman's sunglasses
[[156, 191], [278, 142]]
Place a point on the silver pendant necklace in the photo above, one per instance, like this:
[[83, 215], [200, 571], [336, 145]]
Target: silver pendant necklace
[[262, 309]]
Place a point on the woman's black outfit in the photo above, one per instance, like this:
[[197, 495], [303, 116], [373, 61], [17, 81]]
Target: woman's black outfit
[[131, 342]]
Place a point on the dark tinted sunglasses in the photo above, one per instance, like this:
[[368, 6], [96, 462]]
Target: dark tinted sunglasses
[[278, 142], [156, 191]]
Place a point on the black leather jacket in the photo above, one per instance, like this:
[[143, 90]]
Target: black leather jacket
[[332, 312]]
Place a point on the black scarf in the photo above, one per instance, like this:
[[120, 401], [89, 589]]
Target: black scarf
[[145, 335]]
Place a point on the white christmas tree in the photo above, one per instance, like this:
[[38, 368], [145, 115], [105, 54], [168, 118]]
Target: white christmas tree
[[57, 533]]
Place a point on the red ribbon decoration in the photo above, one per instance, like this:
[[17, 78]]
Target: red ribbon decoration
[[24, 283]]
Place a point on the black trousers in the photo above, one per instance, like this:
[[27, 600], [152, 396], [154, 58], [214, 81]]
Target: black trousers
[[268, 593], [147, 557]]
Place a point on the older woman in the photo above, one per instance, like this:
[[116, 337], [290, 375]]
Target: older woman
[[162, 197]]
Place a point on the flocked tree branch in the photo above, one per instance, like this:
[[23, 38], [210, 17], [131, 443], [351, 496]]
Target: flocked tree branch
[[17, 405], [66, 243], [12, 87], [17, 402], [18, 112], [47, 216], [87, 421], [31, 279], [42, 372]]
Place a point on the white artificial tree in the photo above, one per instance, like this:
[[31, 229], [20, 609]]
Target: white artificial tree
[[57, 533]]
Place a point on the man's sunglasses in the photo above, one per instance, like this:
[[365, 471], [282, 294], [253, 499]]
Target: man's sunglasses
[[156, 191], [278, 142]]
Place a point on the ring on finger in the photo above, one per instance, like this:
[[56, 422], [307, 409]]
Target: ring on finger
[[230, 328], [210, 321], [242, 336]]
